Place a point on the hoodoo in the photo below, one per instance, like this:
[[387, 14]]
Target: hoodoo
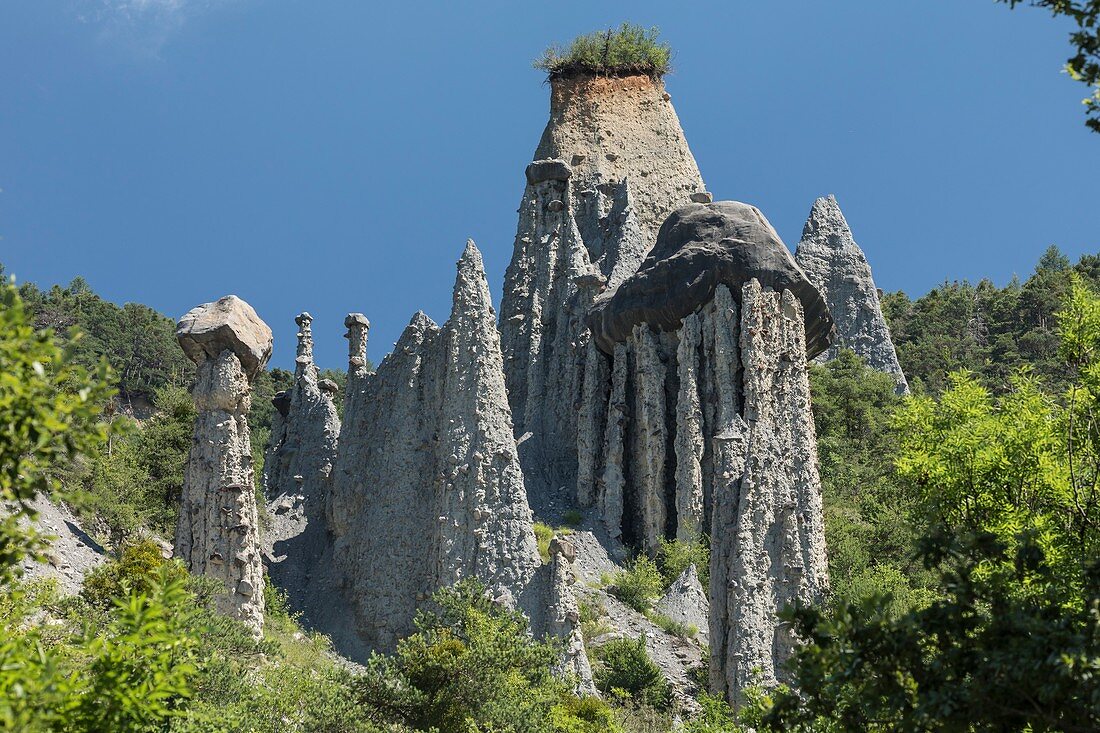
[[835, 264], [218, 531], [611, 165], [298, 464], [427, 487]]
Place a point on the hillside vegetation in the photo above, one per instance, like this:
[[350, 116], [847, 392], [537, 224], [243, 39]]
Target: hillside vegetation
[[963, 526]]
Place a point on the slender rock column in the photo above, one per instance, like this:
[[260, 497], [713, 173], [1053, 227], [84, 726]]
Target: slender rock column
[[217, 535], [768, 538], [564, 619], [689, 434]]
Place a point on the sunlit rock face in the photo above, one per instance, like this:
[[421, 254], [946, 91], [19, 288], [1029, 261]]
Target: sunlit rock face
[[611, 164], [218, 531], [835, 264], [427, 488]]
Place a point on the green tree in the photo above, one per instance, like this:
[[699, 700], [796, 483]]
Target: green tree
[[868, 515], [49, 409], [1007, 486]]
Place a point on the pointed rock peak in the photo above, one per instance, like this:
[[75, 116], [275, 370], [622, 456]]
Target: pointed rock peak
[[471, 287], [420, 322], [826, 218], [471, 259]]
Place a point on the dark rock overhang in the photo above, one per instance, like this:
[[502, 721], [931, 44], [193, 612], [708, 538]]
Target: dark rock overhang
[[698, 247]]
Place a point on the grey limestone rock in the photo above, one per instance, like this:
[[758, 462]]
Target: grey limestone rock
[[217, 534], [768, 537], [830, 257], [612, 163], [699, 246], [298, 464], [229, 323], [686, 602], [564, 618], [427, 488]]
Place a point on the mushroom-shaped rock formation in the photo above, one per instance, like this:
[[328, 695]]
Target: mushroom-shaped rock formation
[[229, 323], [217, 534], [698, 247]]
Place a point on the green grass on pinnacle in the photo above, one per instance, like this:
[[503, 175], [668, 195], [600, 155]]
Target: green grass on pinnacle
[[629, 50]]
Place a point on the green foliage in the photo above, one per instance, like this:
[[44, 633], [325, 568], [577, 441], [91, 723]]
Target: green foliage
[[134, 483], [135, 571], [543, 534], [472, 666], [673, 628], [675, 556], [623, 669], [640, 585], [142, 665], [573, 518], [984, 329], [1084, 65], [136, 340], [49, 408], [1007, 487], [869, 525], [132, 673], [629, 50]]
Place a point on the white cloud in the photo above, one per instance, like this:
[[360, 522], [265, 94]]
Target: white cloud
[[143, 25]]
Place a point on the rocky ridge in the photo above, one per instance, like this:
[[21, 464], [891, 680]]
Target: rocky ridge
[[298, 463]]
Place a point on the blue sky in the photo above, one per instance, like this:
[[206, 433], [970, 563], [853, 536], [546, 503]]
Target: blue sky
[[334, 156]]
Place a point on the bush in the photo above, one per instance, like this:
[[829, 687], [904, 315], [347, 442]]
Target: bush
[[624, 669], [640, 585], [472, 665], [134, 571], [674, 557], [629, 50]]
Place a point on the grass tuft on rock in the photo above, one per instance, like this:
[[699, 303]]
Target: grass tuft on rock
[[629, 50]]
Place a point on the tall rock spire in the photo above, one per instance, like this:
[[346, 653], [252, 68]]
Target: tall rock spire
[[218, 531], [835, 264], [298, 464], [427, 488], [611, 164]]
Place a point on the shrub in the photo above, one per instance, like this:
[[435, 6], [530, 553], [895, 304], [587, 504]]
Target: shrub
[[629, 50], [640, 584], [472, 665], [134, 571], [624, 668], [573, 518], [674, 557]]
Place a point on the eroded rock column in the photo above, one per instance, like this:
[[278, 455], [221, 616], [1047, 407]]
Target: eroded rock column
[[217, 535], [564, 618]]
